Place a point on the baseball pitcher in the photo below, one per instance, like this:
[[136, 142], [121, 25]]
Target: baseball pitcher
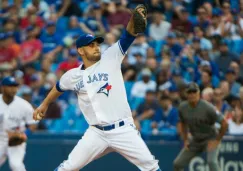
[[99, 86]]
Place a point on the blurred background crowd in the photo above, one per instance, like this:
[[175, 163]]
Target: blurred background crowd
[[185, 41]]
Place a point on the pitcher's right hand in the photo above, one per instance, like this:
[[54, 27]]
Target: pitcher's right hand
[[39, 113]]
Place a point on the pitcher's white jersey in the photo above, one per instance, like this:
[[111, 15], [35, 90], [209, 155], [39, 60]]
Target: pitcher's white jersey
[[14, 116], [100, 88]]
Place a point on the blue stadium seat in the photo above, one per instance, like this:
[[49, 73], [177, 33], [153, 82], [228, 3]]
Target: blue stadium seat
[[135, 101], [80, 125]]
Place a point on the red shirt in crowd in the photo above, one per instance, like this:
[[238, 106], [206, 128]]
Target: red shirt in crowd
[[29, 47], [120, 17], [67, 65], [24, 23], [6, 55]]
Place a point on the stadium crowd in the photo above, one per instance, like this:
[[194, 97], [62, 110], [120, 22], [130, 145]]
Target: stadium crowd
[[185, 41]]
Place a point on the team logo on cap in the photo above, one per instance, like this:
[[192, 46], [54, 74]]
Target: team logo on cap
[[105, 89], [89, 35]]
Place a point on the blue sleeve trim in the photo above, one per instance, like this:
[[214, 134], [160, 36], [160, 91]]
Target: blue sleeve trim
[[120, 48], [58, 87], [125, 41]]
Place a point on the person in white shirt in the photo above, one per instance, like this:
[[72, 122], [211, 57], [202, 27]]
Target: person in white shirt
[[236, 123], [15, 114], [159, 28], [140, 88], [100, 89]]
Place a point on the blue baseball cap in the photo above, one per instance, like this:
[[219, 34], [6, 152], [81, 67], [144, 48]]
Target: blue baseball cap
[[30, 28], [171, 35], [86, 39], [230, 71], [73, 52], [3, 36], [96, 6], [9, 81], [50, 23]]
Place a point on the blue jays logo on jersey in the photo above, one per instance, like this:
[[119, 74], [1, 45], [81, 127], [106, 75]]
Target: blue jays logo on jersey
[[105, 89]]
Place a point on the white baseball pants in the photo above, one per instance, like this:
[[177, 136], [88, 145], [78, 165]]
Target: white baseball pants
[[15, 156], [96, 143]]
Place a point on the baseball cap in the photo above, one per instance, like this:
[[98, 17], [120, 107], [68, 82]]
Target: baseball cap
[[204, 63], [176, 72], [10, 34], [9, 81], [73, 52], [196, 39], [50, 23], [86, 39], [96, 6], [192, 87], [171, 35], [146, 72], [230, 71], [29, 28], [184, 10], [3, 36]]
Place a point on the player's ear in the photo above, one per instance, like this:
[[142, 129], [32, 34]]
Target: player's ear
[[81, 51]]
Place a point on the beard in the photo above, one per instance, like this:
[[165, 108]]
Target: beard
[[93, 57]]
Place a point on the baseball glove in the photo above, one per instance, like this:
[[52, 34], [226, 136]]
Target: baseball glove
[[16, 140], [140, 22]]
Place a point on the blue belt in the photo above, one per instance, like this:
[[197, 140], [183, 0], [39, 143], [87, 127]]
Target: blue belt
[[109, 127]]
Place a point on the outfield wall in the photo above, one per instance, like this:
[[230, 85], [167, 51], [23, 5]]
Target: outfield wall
[[46, 151]]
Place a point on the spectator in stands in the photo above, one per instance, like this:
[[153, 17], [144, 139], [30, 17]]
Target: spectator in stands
[[227, 16], [140, 45], [181, 22], [146, 110], [206, 80], [162, 79], [27, 94], [120, 17], [166, 117], [71, 62], [12, 43], [30, 49], [236, 123], [159, 28], [241, 95], [31, 18], [152, 65], [174, 47], [155, 6], [204, 42], [231, 79], [52, 45], [36, 82], [141, 87], [202, 18], [225, 58], [235, 67], [217, 26], [225, 88], [7, 54], [70, 8], [140, 63], [74, 27], [11, 26], [175, 95], [41, 7], [219, 102], [207, 94], [110, 39], [95, 22]]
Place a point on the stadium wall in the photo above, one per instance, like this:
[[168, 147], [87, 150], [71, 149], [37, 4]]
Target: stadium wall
[[46, 151]]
